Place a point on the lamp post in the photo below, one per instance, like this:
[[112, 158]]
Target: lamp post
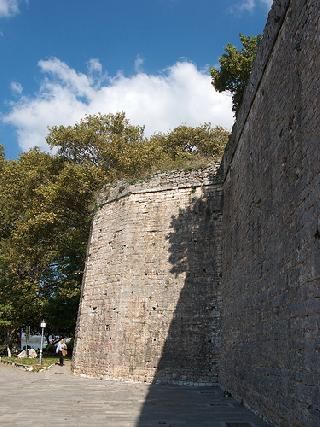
[[42, 325], [27, 339]]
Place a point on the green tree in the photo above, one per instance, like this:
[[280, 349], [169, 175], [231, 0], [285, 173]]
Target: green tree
[[120, 150], [187, 146], [47, 202], [235, 69], [108, 142], [46, 205], [19, 261]]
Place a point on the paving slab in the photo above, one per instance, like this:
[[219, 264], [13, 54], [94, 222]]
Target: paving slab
[[58, 398]]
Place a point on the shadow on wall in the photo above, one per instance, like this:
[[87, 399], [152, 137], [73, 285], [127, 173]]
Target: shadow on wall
[[191, 351]]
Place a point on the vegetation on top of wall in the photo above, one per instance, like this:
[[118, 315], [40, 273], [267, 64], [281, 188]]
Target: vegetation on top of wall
[[120, 150], [47, 203], [235, 69]]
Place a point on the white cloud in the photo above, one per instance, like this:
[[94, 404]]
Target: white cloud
[[138, 64], [180, 94], [16, 87], [9, 8], [94, 66], [247, 5], [250, 5], [268, 3], [59, 74]]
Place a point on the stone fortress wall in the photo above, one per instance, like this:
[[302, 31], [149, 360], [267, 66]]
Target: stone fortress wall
[[154, 307], [150, 306], [271, 226]]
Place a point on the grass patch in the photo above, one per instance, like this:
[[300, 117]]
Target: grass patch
[[35, 363]]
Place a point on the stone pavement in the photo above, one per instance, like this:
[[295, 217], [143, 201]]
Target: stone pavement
[[58, 398]]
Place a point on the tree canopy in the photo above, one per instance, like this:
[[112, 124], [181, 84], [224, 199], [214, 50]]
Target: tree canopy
[[235, 69], [47, 201], [46, 206]]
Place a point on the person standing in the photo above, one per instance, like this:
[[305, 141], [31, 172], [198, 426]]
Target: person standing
[[61, 350]]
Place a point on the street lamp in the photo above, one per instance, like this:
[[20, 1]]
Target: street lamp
[[42, 325], [27, 334]]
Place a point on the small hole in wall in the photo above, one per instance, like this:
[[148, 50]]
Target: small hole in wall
[[94, 309]]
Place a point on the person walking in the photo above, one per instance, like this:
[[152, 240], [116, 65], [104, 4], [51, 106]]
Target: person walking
[[61, 350]]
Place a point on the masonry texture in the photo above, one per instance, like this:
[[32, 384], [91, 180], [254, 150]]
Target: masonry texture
[[150, 307], [271, 262], [153, 305]]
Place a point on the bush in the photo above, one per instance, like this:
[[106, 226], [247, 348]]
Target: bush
[[50, 349]]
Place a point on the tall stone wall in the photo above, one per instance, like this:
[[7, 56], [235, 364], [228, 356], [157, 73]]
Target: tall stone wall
[[271, 261], [150, 306], [153, 307]]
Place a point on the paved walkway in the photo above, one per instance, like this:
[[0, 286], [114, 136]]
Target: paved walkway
[[57, 398]]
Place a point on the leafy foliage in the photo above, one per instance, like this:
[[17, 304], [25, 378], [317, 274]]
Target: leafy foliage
[[47, 203], [119, 150], [235, 69]]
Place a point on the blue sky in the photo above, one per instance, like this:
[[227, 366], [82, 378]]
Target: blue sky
[[62, 59]]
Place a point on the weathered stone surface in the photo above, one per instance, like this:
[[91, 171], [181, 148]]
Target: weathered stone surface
[[271, 262], [150, 308]]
